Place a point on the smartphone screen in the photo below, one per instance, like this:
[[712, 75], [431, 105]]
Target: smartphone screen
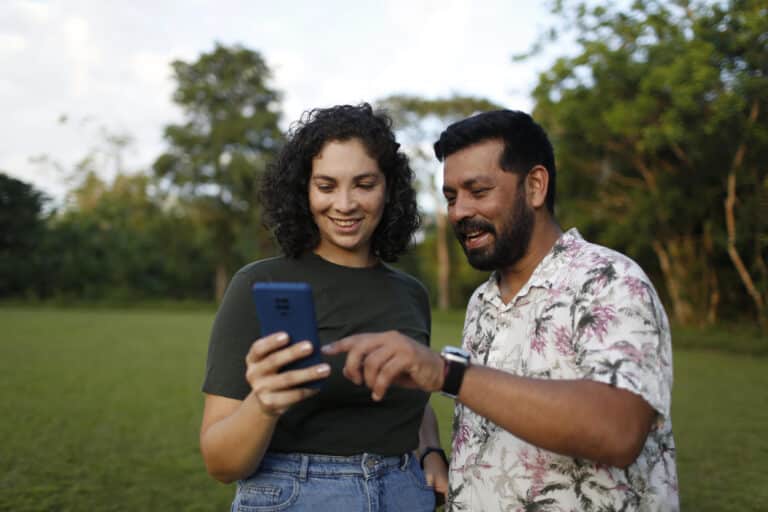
[[289, 307]]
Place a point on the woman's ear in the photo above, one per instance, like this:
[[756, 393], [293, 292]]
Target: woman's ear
[[536, 185]]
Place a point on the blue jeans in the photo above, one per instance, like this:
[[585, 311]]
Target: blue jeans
[[370, 483]]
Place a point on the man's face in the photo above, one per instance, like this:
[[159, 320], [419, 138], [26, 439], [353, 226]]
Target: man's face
[[487, 206]]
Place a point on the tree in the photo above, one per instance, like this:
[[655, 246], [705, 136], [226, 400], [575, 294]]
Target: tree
[[215, 158], [119, 240], [21, 227], [659, 122], [418, 122], [117, 236]]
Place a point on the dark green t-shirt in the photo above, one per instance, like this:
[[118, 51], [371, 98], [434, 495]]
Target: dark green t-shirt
[[341, 419]]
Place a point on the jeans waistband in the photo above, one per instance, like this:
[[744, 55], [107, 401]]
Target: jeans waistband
[[310, 464]]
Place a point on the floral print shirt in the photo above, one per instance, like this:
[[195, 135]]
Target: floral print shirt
[[587, 312]]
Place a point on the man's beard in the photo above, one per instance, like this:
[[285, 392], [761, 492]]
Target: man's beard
[[509, 246]]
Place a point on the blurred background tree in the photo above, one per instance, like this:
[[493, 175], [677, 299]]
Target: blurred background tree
[[215, 157], [22, 225], [418, 123], [658, 118]]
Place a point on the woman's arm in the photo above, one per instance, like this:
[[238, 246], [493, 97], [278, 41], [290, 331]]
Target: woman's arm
[[235, 434], [435, 468]]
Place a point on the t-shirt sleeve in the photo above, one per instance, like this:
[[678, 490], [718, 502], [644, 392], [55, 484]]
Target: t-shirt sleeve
[[235, 328], [627, 338], [427, 312]]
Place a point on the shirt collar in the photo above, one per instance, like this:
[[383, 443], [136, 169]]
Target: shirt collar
[[563, 251]]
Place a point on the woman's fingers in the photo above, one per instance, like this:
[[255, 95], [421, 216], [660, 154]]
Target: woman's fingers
[[267, 355], [264, 346], [279, 391], [276, 403], [291, 379]]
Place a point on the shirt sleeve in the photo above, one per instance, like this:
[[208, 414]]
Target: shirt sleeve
[[626, 337], [235, 328]]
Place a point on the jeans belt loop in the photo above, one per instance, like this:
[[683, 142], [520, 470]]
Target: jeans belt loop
[[304, 469]]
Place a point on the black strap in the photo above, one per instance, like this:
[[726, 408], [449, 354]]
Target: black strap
[[431, 449]]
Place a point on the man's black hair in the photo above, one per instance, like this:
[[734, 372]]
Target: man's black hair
[[525, 143]]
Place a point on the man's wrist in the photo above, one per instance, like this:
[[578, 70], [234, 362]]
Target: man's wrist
[[443, 367], [456, 361]]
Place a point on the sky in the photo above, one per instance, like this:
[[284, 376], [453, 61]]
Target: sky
[[72, 68]]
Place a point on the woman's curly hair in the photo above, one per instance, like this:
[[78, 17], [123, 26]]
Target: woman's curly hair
[[285, 185]]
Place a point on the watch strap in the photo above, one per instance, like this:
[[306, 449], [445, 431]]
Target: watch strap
[[454, 376]]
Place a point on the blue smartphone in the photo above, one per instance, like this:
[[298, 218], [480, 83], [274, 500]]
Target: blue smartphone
[[289, 307]]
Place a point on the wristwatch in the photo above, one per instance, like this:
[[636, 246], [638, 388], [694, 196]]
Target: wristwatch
[[456, 363]]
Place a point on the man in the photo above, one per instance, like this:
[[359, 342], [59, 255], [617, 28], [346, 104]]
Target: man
[[564, 403]]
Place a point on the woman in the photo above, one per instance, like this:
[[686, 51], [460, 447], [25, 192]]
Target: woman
[[339, 201]]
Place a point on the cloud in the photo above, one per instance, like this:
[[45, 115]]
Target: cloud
[[111, 61], [83, 53], [32, 11], [12, 43]]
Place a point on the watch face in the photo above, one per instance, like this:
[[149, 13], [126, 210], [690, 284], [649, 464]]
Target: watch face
[[456, 354]]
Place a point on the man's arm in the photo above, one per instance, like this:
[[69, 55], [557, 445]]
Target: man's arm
[[579, 418]]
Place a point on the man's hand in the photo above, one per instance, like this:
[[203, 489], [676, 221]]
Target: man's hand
[[380, 360]]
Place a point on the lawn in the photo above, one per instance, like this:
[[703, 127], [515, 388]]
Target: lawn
[[99, 410]]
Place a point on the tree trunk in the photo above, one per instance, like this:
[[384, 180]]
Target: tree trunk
[[443, 262], [681, 308], [694, 291], [714, 284], [733, 253], [220, 281]]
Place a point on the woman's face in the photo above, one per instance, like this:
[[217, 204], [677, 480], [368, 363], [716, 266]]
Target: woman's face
[[347, 192]]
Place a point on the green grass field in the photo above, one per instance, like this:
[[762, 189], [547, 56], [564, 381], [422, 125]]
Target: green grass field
[[99, 410]]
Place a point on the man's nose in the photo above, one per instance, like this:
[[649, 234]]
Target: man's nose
[[460, 209]]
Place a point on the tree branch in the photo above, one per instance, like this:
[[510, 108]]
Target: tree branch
[[730, 217]]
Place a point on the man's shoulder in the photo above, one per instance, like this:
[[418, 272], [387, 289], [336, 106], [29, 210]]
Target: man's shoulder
[[581, 257], [597, 269], [596, 256]]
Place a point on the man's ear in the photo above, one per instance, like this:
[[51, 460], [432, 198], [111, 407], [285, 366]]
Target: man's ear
[[536, 184]]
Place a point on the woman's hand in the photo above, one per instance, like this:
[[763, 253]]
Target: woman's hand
[[436, 474], [276, 392]]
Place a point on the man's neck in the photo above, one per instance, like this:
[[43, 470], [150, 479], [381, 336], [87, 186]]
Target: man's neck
[[513, 278]]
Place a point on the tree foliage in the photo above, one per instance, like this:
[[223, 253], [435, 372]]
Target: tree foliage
[[214, 159], [21, 226], [659, 120], [117, 239]]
